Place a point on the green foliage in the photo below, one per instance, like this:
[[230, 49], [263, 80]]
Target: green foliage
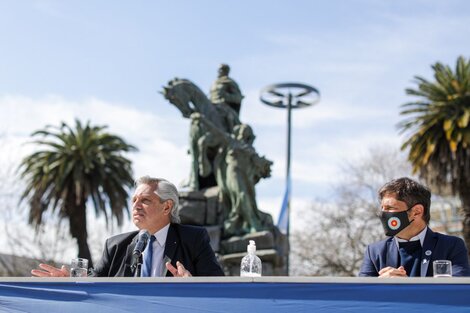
[[437, 126], [73, 166]]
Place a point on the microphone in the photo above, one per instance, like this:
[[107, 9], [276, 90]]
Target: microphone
[[144, 237], [142, 240]]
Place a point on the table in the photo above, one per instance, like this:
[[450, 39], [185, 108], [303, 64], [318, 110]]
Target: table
[[234, 294]]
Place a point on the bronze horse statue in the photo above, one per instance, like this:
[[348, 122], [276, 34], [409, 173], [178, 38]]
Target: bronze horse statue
[[189, 98]]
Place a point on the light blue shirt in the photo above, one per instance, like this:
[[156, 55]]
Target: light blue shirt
[[158, 250]]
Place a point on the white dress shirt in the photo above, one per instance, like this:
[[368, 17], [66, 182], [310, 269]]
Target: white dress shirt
[[158, 250], [419, 237]]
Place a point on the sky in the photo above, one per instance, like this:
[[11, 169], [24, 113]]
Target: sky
[[106, 61]]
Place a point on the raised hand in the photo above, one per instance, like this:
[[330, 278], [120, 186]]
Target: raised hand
[[179, 271]]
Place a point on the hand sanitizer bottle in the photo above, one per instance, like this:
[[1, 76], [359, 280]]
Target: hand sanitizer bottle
[[251, 264]]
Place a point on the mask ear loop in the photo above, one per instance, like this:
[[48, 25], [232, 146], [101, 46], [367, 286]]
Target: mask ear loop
[[410, 209]]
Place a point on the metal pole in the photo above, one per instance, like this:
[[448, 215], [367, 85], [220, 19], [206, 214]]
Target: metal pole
[[276, 96], [289, 119]]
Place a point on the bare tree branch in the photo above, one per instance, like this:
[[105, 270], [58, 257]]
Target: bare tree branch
[[334, 243]]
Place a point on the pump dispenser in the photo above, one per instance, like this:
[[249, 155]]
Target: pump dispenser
[[250, 265]]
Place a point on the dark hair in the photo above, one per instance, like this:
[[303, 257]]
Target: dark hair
[[410, 192]]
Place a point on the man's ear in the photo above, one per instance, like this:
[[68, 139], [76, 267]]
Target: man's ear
[[168, 205], [417, 210]]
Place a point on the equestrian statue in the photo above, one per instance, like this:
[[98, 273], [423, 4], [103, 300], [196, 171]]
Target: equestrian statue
[[222, 155]]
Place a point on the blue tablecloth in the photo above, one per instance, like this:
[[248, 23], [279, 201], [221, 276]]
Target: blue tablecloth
[[230, 295]]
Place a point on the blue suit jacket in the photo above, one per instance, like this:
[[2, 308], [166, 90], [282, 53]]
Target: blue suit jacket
[[436, 246]]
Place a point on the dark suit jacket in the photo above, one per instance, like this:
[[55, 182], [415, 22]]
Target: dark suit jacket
[[188, 244], [436, 246]]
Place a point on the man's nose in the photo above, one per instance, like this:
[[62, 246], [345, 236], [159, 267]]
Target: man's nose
[[136, 205]]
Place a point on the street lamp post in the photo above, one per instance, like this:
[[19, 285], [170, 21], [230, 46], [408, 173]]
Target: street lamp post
[[290, 96]]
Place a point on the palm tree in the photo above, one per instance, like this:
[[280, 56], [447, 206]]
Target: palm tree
[[439, 132], [74, 166]]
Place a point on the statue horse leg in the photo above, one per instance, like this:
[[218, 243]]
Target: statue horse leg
[[206, 142], [194, 136]]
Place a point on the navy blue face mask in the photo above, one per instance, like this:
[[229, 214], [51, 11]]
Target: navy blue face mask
[[394, 222]]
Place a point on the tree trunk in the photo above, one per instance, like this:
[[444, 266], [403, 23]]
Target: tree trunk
[[464, 194], [78, 230]]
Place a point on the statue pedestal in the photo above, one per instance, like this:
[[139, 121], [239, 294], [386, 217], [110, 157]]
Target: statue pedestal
[[272, 247], [202, 208]]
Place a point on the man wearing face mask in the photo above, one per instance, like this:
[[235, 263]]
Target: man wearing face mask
[[411, 246]]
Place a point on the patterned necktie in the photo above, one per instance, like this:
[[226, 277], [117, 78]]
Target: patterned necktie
[[147, 266]]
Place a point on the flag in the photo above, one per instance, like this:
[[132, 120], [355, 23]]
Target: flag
[[283, 220]]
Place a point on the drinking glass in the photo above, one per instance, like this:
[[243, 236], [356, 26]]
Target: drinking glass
[[79, 267], [442, 268]]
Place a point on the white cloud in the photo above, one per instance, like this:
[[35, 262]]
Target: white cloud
[[299, 206], [163, 153], [159, 152]]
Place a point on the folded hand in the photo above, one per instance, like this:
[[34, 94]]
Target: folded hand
[[393, 272]]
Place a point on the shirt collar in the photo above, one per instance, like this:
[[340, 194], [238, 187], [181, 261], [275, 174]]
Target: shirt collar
[[419, 237], [161, 235]]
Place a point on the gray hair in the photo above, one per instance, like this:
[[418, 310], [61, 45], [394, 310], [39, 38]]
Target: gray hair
[[165, 191]]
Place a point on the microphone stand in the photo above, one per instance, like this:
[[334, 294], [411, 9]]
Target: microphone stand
[[136, 266]]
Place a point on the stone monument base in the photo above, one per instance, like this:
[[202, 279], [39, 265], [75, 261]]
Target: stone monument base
[[202, 208], [271, 247]]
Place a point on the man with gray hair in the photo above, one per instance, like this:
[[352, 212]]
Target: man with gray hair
[[173, 250]]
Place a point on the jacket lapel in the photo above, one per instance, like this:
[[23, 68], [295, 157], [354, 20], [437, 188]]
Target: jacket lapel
[[128, 261], [428, 248], [170, 248]]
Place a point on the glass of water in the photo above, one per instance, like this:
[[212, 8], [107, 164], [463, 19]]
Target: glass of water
[[79, 267], [442, 268]]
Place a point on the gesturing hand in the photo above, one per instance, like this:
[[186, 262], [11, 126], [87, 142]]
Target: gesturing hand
[[179, 271], [50, 271]]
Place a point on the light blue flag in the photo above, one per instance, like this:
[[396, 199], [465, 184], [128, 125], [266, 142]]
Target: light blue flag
[[283, 221]]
